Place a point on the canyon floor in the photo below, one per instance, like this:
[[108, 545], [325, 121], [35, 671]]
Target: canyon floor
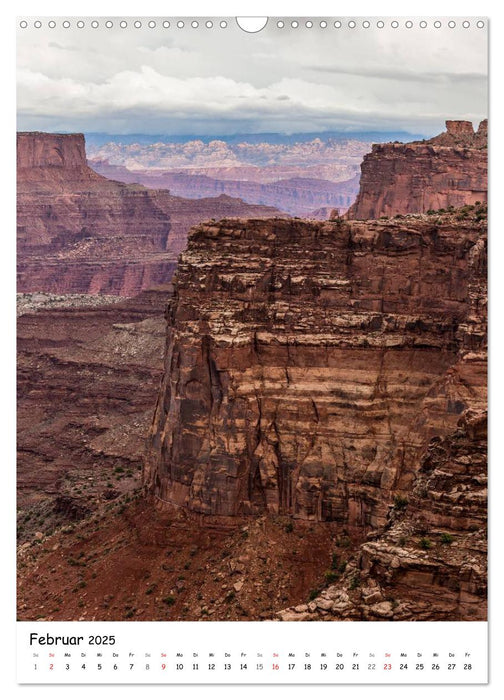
[[135, 561]]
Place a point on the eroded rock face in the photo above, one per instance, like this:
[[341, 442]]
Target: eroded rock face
[[87, 379], [81, 233], [308, 364], [449, 170]]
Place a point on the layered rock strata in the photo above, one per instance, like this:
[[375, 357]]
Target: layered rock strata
[[429, 562], [449, 170], [309, 364], [81, 233], [298, 196], [87, 379]]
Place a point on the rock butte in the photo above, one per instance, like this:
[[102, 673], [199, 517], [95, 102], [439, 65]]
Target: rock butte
[[447, 170], [79, 232], [311, 389]]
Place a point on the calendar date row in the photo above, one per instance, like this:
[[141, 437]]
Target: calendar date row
[[52, 666]]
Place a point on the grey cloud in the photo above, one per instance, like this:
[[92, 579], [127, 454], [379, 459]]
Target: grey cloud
[[219, 82], [404, 76]]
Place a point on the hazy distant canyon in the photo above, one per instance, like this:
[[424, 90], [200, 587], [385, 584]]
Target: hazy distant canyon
[[298, 178]]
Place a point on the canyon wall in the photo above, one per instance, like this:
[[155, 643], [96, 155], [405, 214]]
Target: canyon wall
[[449, 170], [429, 562], [78, 232], [309, 364], [87, 377], [298, 196]]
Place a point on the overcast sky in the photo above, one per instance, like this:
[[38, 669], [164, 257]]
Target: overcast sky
[[225, 81]]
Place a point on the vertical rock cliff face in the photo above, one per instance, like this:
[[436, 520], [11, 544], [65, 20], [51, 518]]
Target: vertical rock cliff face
[[429, 561], [79, 232], [449, 170], [309, 364]]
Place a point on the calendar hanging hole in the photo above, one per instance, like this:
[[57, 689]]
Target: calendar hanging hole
[[252, 24]]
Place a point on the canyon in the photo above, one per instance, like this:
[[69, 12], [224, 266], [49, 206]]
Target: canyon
[[318, 446], [298, 196], [449, 170], [262, 161], [88, 369], [78, 232], [299, 178]]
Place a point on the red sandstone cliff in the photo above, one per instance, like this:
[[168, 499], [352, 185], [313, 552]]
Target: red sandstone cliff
[[429, 561], [449, 170], [312, 390], [316, 392], [299, 196], [79, 232]]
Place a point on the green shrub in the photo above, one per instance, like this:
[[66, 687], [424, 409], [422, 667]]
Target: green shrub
[[425, 543], [400, 502], [331, 576], [355, 582], [446, 538]]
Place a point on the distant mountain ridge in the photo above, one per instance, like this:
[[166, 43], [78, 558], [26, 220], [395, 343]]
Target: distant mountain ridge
[[97, 139]]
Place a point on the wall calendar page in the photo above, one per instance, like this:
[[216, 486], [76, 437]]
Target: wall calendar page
[[252, 350]]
